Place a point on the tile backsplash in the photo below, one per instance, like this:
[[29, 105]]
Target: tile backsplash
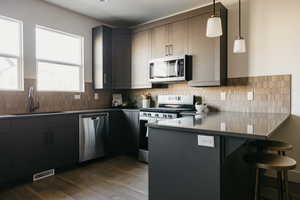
[[272, 94], [16, 101]]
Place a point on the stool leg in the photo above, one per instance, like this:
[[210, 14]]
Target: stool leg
[[286, 184], [257, 185], [279, 182]]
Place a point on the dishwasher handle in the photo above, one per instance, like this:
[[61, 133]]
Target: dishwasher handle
[[94, 116]]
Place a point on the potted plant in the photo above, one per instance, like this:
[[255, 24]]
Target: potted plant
[[199, 106], [146, 100]]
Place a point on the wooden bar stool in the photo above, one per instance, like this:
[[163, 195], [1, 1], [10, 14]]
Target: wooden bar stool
[[271, 145], [281, 164]]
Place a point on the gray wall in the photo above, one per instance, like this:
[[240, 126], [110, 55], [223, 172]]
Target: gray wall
[[33, 12]]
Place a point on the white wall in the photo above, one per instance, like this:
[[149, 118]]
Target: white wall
[[272, 30], [33, 12]]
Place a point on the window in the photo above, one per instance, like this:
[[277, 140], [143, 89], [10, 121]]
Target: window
[[59, 61], [11, 55]]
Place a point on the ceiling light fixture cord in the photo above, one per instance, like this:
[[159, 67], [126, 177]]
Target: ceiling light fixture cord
[[240, 34], [214, 7]]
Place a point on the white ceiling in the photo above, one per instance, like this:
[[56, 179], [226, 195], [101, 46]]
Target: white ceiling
[[128, 12]]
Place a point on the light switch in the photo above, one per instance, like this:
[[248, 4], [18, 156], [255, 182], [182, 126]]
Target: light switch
[[96, 96], [206, 141], [77, 96], [250, 96], [223, 96]]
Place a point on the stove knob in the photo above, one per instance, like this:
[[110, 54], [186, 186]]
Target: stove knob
[[170, 116], [165, 116], [156, 115], [149, 114]]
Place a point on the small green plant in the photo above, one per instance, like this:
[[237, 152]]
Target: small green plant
[[198, 100]]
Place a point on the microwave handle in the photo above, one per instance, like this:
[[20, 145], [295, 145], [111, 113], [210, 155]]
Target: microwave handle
[[177, 68]]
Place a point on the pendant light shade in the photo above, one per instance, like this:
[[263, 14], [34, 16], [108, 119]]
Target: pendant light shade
[[240, 42], [214, 27], [214, 24], [239, 46]]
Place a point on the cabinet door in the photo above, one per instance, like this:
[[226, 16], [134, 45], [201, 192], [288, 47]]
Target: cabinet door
[[140, 60], [31, 137], [7, 152], [159, 42], [63, 141], [121, 61], [205, 52], [117, 129], [180, 168], [133, 132], [178, 38], [102, 57]]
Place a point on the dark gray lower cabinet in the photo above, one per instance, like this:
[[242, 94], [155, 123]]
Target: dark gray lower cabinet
[[42, 143], [115, 143], [132, 131], [6, 148], [180, 169]]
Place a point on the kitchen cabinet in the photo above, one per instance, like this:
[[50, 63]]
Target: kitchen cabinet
[[132, 128], [121, 62], [7, 162], [102, 57], [198, 164], [141, 50], [186, 34], [117, 131], [159, 42], [209, 54], [175, 160], [44, 143], [178, 38], [169, 40]]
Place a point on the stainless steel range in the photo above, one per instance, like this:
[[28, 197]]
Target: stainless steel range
[[169, 107]]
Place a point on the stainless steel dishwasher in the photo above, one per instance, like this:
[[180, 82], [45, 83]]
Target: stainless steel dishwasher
[[93, 135]]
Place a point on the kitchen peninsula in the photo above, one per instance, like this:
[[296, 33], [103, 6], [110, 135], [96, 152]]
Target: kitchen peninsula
[[202, 157]]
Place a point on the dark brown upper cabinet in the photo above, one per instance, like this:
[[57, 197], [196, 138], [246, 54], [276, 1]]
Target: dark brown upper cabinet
[[102, 58], [121, 62]]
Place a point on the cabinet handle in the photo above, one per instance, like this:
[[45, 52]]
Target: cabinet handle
[[167, 50], [104, 77]]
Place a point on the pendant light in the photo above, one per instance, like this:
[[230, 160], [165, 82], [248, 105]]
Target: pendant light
[[239, 43], [214, 24]]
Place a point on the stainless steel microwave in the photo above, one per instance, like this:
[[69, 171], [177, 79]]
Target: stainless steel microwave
[[170, 69]]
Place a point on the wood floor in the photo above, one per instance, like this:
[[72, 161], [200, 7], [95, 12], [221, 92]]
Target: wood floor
[[120, 178]]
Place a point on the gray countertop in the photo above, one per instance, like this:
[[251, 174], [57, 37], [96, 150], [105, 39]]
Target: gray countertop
[[39, 114], [249, 125]]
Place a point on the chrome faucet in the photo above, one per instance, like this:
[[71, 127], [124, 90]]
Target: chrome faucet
[[31, 101]]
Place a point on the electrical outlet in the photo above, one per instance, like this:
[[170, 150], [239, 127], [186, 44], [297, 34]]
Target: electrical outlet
[[77, 96], [96, 96], [223, 126], [250, 96], [223, 96], [250, 129]]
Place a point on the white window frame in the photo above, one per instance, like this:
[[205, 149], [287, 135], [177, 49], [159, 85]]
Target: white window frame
[[81, 66], [20, 58]]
